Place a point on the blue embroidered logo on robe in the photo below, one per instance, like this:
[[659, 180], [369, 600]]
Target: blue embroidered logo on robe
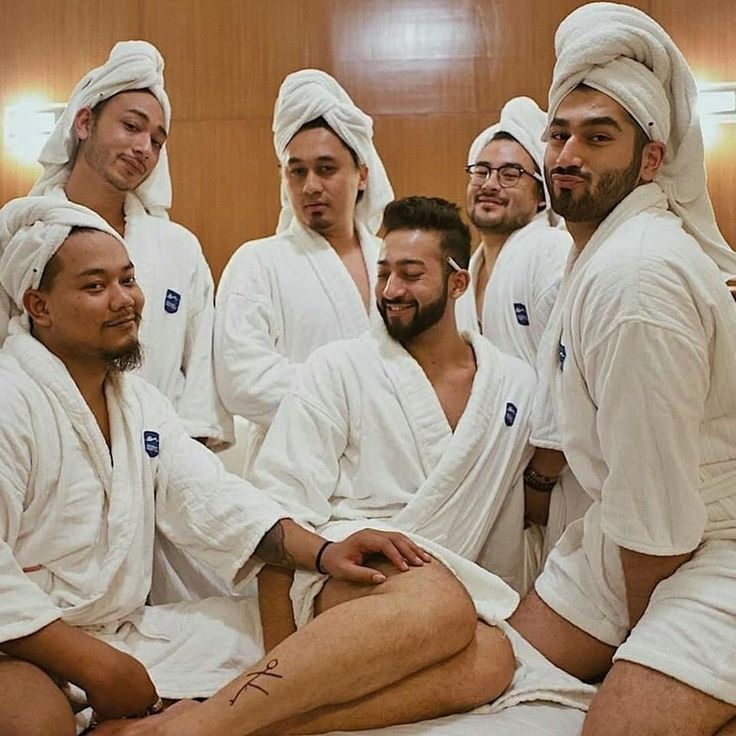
[[510, 416], [521, 315], [150, 443], [172, 301], [563, 355]]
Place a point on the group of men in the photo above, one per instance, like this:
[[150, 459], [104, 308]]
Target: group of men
[[412, 408]]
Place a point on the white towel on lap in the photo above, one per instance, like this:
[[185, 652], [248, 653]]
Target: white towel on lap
[[309, 94], [623, 53], [132, 65]]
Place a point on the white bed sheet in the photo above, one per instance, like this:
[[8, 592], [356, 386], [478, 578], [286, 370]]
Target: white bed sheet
[[527, 719]]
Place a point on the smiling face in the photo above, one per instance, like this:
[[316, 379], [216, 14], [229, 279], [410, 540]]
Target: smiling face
[[494, 209], [412, 285], [121, 140], [89, 304], [322, 180], [595, 156]]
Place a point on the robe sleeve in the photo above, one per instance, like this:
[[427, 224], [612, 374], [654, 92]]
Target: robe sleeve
[[24, 607], [298, 464], [199, 404], [216, 516], [550, 268], [252, 374], [649, 383]]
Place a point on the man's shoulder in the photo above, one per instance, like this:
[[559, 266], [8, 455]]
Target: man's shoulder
[[17, 389]]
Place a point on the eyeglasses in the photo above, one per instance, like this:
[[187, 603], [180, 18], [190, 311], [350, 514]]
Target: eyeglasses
[[508, 175]]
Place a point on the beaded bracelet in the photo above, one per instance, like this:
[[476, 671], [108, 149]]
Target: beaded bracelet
[[539, 482]]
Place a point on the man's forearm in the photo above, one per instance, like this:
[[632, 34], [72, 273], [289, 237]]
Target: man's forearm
[[642, 574], [286, 544]]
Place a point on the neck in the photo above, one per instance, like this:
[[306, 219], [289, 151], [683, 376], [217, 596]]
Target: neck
[[582, 232], [87, 188], [440, 346], [342, 237], [492, 244]]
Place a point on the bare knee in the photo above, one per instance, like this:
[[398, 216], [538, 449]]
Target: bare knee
[[636, 699], [30, 702], [491, 666]]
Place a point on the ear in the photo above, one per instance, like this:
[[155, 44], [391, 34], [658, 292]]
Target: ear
[[83, 123], [36, 304], [651, 160], [362, 177], [459, 282]]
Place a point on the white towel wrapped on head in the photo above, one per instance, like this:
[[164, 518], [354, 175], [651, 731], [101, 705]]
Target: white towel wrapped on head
[[309, 94], [32, 229], [622, 52], [132, 65], [523, 119]]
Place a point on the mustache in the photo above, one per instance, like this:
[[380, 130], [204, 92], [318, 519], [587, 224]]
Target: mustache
[[133, 315], [569, 171]]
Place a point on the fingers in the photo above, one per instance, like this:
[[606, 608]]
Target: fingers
[[410, 550], [360, 574]]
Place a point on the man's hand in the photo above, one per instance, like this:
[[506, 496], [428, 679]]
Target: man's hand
[[120, 687], [344, 560], [160, 725]]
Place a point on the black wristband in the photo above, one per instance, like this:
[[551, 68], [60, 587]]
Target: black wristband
[[318, 561], [539, 482]]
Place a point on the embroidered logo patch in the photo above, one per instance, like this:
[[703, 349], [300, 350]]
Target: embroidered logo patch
[[563, 355], [510, 416], [151, 443], [521, 315], [172, 301]]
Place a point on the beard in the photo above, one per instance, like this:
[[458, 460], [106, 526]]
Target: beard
[[98, 160], [594, 204], [125, 359], [507, 225], [424, 317]]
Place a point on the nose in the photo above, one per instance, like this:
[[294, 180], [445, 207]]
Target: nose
[[569, 154], [312, 183], [143, 145], [123, 296], [393, 287], [491, 183]]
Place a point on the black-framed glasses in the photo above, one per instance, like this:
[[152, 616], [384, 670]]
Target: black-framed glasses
[[508, 175]]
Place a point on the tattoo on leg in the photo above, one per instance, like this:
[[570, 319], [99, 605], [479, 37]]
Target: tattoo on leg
[[271, 548], [266, 672]]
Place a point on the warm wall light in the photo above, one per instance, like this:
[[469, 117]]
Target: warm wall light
[[716, 105], [27, 125]]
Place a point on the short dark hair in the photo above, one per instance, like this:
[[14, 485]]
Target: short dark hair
[[53, 266], [433, 214]]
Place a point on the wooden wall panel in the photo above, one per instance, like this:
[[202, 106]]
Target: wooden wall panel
[[432, 73], [707, 41]]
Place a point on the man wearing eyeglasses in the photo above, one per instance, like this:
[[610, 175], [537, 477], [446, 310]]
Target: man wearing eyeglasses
[[515, 276], [516, 270]]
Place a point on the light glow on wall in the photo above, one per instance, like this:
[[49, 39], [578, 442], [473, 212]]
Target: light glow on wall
[[716, 106], [27, 125]]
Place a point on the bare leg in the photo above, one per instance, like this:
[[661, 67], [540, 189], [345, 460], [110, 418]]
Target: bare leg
[[477, 675], [30, 702], [277, 616], [564, 644], [412, 621], [637, 700], [729, 729]]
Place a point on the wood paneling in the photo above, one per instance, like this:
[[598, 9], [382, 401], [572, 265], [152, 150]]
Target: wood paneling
[[432, 73]]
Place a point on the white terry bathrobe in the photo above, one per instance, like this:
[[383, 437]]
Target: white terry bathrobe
[[77, 518], [641, 372], [176, 330], [361, 441], [282, 297], [518, 301]]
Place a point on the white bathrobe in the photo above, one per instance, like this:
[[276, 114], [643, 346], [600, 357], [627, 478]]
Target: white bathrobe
[[362, 441], [77, 522], [278, 300], [643, 377], [521, 290]]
